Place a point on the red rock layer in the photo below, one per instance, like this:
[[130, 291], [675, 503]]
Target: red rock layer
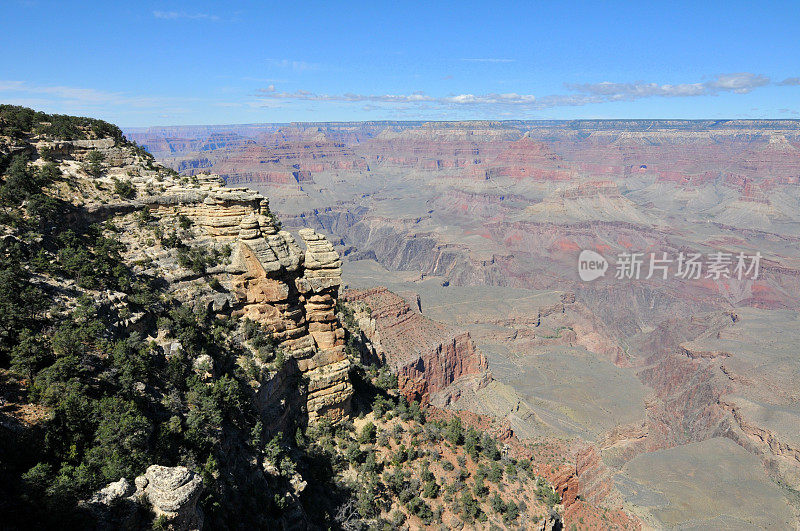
[[433, 371], [428, 356]]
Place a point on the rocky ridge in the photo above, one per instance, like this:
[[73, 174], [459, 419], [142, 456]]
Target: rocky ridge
[[267, 278], [434, 362], [262, 338]]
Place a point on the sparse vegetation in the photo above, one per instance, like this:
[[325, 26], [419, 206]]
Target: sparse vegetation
[[184, 222], [124, 189], [199, 258], [94, 166], [19, 122]]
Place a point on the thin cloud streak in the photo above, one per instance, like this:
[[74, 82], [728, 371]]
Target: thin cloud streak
[[82, 100], [582, 94], [739, 83], [416, 97], [87, 98], [296, 66], [177, 15]]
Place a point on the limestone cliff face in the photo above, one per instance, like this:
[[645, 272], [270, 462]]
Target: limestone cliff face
[[291, 292], [267, 278]]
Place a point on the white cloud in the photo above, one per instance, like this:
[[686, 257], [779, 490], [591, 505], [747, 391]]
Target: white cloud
[[581, 94], [177, 15], [77, 94], [6, 86], [790, 81], [296, 66], [740, 83], [81, 99], [413, 98]]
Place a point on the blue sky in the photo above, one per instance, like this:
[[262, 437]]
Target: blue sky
[[178, 63]]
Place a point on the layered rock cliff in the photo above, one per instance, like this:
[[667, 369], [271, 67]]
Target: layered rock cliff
[[268, 279], [434, 362]]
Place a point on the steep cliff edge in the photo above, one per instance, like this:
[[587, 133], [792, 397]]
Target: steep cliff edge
[[434, 362], [267, 277], [271, 281], [153, 322]]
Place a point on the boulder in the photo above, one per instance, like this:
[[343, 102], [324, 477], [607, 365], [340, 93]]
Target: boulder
[[112, 493], [172, 492]]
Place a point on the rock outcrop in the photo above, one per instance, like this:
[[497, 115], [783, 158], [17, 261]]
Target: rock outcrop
[[268, 279], [168, 492], [329, 389], [434, 362], [172, 492], [430, 374]]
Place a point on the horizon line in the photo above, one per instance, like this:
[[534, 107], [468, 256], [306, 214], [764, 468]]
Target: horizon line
[[508, 121]]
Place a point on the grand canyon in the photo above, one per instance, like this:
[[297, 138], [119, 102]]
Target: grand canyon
[[399, 266], [677, 398]]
